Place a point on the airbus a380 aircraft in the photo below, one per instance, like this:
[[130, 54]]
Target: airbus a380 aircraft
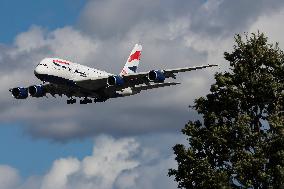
[[63, 77]]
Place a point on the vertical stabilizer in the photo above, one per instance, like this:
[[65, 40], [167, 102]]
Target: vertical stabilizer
[[132, 61]]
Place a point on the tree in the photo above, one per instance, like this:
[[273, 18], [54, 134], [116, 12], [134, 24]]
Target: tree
[[240, 141]]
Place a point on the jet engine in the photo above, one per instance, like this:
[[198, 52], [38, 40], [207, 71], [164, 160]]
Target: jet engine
[[37, 91], [20, 93], [115, 80], [157, 76]]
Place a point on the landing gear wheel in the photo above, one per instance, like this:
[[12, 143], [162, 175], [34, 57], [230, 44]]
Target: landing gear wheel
[[100, 100], [86, 101], [71, 101]]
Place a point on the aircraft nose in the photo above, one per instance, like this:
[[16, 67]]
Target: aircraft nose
[[38, 70]]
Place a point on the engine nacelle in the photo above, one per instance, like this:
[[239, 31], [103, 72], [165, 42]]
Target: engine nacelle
[[37, 91], [157, 76], [115, 80], [20, 93]]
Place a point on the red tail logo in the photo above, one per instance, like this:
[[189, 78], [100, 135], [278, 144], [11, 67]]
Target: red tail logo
[[135, 56]]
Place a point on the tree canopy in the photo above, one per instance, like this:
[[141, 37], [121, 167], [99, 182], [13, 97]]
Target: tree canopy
[[239, 143]]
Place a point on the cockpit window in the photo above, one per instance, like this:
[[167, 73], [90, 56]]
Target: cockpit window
[[56, 64], [41, 64]]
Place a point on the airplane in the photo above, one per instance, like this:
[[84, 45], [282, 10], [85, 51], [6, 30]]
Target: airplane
[[63, 77]]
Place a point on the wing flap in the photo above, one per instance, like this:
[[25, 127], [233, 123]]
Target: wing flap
[[153, 86]]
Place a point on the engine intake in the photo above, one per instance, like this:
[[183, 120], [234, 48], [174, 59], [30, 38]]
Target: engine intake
[[115, 80], [20, 93], [37, 91], [156, 76]]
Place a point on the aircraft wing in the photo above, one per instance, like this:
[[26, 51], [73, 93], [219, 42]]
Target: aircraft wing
[[131, 80], [171, 72], [93, 84], [141, 77], [99, 83]]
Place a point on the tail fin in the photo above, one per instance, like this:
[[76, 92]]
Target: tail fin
[[132, 61]]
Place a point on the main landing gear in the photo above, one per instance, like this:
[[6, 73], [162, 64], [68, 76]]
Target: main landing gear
[[86, 101], [100, 100], [71, 101]]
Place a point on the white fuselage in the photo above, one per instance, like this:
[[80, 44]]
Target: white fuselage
[[52, 69]]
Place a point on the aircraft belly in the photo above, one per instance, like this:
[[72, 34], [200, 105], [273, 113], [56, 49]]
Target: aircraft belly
[[69, 90], [55, 79]]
